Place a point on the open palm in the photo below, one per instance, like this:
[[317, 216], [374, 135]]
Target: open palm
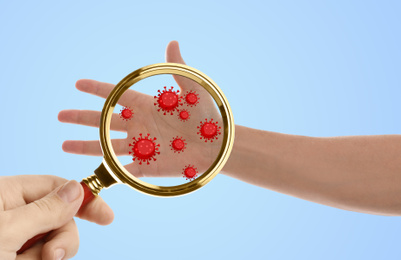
[[147, 119]]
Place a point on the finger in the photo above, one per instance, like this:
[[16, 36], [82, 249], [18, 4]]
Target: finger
[[134, 169], [173, 54], [62, 243], [97, 211], [24, 189], [90, 118], [92, 148], [33, 253], [146, 171], [49, 213], [102, 89]]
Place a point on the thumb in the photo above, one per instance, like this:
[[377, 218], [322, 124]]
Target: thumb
[[46, 214], [173, 55]]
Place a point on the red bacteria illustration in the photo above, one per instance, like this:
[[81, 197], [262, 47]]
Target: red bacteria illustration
[[144, 149], [209, 130], [126, 113], [184, 115], [190, 172], [192, 98], [178, 144], [168, 100]]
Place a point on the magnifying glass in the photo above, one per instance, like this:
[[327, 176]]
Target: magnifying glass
[[177, 141]]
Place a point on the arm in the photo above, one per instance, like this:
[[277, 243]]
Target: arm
[[361, 173], [358, 173]]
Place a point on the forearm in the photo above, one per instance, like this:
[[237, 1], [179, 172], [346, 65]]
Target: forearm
[[359, 173]]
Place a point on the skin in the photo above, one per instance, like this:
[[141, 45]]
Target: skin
[[357, 173], [148, 120], [32, 204]]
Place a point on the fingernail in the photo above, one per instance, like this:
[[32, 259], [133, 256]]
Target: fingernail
[[59, 253], [70, 191]]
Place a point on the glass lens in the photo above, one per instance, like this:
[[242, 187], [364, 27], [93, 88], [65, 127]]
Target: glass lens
[[174, 130]]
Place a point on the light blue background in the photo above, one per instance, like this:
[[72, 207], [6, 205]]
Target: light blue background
[[300, 67]]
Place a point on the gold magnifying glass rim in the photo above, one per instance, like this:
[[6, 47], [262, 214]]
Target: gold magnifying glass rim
[[118, 171]]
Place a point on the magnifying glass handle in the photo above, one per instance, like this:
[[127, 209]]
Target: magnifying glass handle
[[88, 196]]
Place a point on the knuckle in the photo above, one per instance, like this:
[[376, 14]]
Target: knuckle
[[96, 120], [79, 117], [43, 205], [55, 180], [50, 210]]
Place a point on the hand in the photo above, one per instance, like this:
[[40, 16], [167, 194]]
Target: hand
[[36, 204], [147, 119]]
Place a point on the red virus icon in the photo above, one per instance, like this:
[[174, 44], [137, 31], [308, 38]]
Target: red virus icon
[[144, 149], [168, 100], [209, 130], [126, 113], [184, 115], [192, 98], [178, 144], [189, 172]]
